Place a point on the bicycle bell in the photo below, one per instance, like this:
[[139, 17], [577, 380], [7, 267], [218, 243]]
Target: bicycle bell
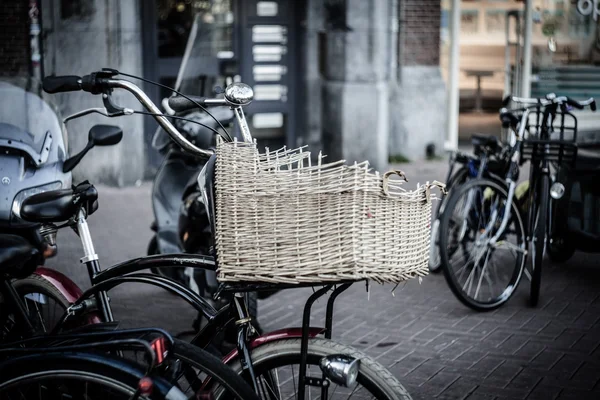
[[239, 94]]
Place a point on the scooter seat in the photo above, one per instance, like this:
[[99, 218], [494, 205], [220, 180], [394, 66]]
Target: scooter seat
[[60, 205], [18, 257], [588, 159]]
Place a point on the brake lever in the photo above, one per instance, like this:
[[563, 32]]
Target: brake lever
[[110, 109], [98, 110]]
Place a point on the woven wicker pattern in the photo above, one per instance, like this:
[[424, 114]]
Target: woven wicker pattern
[[282, 220]]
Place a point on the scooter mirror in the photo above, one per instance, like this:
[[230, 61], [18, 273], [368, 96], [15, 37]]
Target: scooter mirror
[[100, 135], [105, 135]]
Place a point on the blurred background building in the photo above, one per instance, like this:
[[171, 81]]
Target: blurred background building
[[359, 79]]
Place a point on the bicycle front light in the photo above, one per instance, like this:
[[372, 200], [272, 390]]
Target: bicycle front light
[[557, 190], [340, 369]]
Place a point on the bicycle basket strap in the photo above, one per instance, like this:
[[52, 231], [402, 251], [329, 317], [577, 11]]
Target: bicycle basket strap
[[386, 179], [428, 186]]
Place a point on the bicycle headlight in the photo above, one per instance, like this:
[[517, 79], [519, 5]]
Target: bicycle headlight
[[340, 368], [23, 194], [557, 190]]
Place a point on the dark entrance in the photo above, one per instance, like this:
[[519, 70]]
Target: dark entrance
[[249, 40]]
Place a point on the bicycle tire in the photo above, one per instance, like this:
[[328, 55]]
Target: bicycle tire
[[192, 355], [109, 373], [34, 285], [539, 238], [232, 385], [451, 279], [376, 377], [434, 264]]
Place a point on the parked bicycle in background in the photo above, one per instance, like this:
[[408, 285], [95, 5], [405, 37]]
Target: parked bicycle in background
[[485, 236]]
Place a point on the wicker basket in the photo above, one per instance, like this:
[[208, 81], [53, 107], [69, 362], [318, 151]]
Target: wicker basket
[[280, 219]]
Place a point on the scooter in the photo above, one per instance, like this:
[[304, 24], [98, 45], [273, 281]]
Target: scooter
[[34, 157]]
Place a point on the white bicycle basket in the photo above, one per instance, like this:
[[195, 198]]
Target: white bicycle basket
[[280, 219]]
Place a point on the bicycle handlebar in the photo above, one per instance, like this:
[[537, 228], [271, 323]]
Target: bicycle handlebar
[[180, 103], [552, 99], [59, 84], [102, 82], [161, 119]]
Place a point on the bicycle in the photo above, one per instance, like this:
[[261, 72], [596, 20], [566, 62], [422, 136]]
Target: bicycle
[[258, 358], [103, 363], [181, 364], [488, 159], [482, 225]]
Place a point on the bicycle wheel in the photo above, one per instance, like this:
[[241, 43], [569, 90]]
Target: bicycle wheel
[[482, 264], [198, 368], [43, 302], [46, 305], [277, 364], [68, 375], [435, 261], [538, 246]]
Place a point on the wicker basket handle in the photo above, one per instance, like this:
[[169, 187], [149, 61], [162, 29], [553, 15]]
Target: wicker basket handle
[[428, 186], [386, 179]]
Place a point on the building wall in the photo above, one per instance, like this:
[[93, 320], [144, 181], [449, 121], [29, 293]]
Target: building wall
[[83, 36], [14, 37], [421, 32], [418, 99]]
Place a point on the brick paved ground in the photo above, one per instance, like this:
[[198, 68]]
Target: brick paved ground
[[434, 345]]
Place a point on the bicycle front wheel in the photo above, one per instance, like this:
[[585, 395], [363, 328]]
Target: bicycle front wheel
[[277, 367], [482, 261]]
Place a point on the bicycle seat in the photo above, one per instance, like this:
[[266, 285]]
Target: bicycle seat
[[60, 205], [482, 142], [587, 159], [18, 258]]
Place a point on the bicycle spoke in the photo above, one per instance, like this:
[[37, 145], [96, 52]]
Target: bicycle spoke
[[40, 316], [482, 273]]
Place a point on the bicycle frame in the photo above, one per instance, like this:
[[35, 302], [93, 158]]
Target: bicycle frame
[[95, 299]]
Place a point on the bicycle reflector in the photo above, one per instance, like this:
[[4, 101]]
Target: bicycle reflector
[[340, 368], [557, 190], [158, 345]]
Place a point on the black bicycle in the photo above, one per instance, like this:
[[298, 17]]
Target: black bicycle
[[288, 362], [182, 365], [100, 363], [489, 159], [485, 232]]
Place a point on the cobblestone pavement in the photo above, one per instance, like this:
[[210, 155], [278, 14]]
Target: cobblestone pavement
[[435, 346]]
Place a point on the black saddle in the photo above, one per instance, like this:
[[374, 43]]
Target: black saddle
[[18, 257], [487, 144], [60, 205]]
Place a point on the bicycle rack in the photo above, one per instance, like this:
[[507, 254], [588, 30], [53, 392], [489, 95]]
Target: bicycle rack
[[303, 380]]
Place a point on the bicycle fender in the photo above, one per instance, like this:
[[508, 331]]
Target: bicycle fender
[[280, 334]]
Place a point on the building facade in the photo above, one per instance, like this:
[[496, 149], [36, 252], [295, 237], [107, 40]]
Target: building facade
[[358, 79]]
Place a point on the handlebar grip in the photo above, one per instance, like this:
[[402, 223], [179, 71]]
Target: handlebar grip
[[58, 84], [593, 105], [506, 100], [180, 103], [574, 103]]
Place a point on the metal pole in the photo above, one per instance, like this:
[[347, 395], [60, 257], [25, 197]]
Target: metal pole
[[453, 90], [507, 64], [526, 82]]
